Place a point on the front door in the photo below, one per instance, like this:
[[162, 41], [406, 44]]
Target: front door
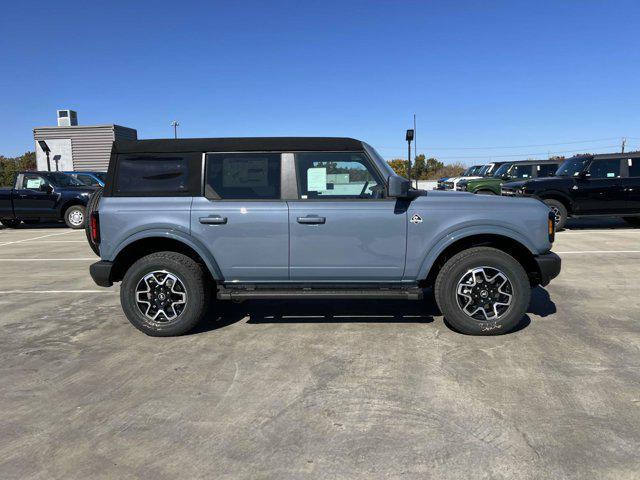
[[241, 218], [30, 200], [342, 229], [601, 192]]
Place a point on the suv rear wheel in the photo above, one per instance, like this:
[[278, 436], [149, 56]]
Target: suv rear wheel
[[10, 223], [74, 217], [164, 294], [483, 291], [559, 212]]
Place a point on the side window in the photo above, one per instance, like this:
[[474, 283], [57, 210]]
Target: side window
[[88, 180], [605, 168], [158, 175], [243, 176], [634, 167], [337, 175], [547, 169], [32, 182], [521, 171]]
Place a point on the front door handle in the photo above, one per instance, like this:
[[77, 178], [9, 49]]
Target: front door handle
[[312, 220], [213, 220]]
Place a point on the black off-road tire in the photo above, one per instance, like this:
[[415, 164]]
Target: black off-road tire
[[633, 221], [559, 210], [10, 223], [92, 206], [75, 211], [196, 286], [455, 269]]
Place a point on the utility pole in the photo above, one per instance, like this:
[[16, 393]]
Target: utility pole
[[624, 142], [175, 124], [409, 138], [415, 141]]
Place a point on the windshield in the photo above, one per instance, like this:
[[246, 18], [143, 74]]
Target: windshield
[[484, 170], [572, 167], [474, 170], [63, 180], [502, 170]]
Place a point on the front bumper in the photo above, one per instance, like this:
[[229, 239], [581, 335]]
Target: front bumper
[[101, 273], [549, 266]]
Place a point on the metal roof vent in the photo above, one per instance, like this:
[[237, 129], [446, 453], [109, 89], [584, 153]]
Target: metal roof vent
[[67, 118]]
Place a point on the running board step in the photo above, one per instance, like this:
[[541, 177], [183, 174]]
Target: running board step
[[316, 293]]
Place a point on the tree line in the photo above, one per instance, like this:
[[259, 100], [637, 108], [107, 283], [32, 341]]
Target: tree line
[[426, 168], [10, 165]]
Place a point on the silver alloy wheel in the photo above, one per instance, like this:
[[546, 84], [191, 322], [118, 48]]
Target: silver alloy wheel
[[484, 293], [556, 214], [76, 217], [161, 296]]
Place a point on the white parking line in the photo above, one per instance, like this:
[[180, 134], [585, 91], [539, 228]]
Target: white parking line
[[7, 292], [599, 251], [34, 238]]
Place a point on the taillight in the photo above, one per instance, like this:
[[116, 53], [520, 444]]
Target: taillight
[[551, 221], [95, 227]]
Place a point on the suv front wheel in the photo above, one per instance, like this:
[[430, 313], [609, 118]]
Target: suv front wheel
[[164, 294], [483, 291]]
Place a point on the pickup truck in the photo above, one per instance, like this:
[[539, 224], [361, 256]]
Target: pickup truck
[[49, 196], [509, 171], [185, 221], [588, 185]]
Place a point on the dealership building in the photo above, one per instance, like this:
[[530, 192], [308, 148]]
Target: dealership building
[[74, 147]]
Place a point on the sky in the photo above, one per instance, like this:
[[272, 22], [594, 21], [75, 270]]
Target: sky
[[486, 80]]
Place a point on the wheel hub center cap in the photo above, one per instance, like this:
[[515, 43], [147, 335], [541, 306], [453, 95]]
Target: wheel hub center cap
[[484, 294]]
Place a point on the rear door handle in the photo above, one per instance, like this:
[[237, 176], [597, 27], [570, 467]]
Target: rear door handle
[[312, 220], [213, 220]]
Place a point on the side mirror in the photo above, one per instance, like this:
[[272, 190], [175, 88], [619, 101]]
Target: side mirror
[[46, 188], [506, 177], [583, 175], [398, 187]]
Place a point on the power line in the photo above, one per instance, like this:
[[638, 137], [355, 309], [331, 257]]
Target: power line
[[519, 146]]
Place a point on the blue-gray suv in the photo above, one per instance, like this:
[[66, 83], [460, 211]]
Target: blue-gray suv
[[183, 222]]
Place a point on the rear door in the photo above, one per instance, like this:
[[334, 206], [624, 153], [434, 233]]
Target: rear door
[[545, 170], [631, 185], [601, 192], [30, 201], [241, 217], [343, 229]]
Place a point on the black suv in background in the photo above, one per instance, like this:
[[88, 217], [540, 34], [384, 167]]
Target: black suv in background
[[586, 185]]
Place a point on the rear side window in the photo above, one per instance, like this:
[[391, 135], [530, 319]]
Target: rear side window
[[547, 169], [157, 175], [521, 171], [243, 176], [605, 168]]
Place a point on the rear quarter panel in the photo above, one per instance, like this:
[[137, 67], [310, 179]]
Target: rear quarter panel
[[124, 220]]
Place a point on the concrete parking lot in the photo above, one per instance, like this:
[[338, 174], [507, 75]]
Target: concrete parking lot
[[319, 389]]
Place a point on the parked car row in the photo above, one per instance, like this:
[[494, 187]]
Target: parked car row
[[49, 196], [584, 185]]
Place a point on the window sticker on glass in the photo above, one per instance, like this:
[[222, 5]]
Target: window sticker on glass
[[33, 183], [245, 172], [610, 174], [317, 179]]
